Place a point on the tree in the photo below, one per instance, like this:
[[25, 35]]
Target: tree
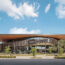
[[50, 50], [61, 46], [7, 49], [61, 51], [64, 45], [33, 50], [54, 48]]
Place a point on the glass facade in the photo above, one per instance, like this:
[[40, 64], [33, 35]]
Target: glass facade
[[25, 45]]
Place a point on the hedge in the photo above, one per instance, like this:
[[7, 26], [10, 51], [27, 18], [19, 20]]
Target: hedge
[[59, 57], [7, 56]]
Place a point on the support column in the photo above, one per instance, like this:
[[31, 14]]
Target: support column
[[1, 46], [27, 45], [58, 46], [14, 46], [45, 47], [40, 46], [26, 42]]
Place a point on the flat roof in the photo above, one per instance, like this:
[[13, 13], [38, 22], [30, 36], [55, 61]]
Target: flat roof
[[5, 37]]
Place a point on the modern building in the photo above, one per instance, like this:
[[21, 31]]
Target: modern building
[[22, 43]]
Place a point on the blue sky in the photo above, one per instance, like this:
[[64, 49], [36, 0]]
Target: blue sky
[[32, 17]]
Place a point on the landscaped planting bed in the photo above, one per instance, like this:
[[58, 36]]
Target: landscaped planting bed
[[59, 57], [7, 56]]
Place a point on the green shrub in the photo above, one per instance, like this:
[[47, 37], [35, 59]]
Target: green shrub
[[50, 50], [59, 57], [7, 49], [54, 49], [33, 50], [60, 50], [7, 56]]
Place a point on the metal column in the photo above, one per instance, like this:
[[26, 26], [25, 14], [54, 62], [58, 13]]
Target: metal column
[[14, 46], [58, 46]]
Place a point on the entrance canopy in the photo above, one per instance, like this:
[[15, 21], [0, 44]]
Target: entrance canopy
[[6, 37]]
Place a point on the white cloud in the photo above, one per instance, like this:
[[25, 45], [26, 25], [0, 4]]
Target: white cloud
[[22, 10], [47, 8], [60, 9], [23, 31]]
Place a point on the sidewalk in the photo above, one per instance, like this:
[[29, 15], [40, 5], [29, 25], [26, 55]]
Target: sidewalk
[[38, 56]]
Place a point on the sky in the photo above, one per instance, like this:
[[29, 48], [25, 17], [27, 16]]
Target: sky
[[32, 16]]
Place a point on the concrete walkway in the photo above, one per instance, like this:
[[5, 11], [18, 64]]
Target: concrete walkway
[[37, 56]]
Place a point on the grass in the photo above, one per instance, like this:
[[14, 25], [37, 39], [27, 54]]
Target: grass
[[29, 54], [3, 55], [22, 54], [34, 57]]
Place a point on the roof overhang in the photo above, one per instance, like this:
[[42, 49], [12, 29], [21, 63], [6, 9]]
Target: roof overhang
[[5, 37]]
